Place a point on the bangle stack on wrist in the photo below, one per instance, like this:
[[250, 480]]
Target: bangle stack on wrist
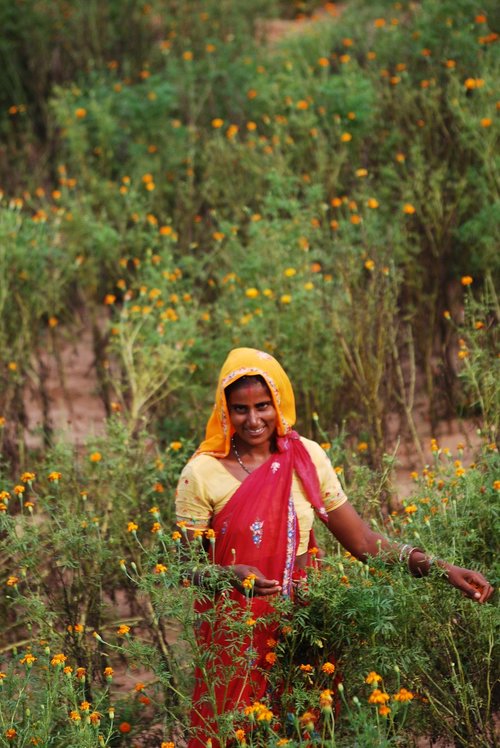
[[405, 554]]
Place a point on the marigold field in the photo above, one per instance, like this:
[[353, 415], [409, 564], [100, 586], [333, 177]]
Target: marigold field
[[315, 179]]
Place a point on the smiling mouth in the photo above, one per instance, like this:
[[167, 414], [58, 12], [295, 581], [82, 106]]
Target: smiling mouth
[[255, 432]]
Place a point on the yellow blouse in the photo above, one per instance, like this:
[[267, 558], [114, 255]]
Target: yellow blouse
[[205, 486]]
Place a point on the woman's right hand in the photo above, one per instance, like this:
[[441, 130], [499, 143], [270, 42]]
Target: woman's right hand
[[249, 579]]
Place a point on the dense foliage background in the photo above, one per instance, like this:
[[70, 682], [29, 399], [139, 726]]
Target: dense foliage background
[[177, 181]]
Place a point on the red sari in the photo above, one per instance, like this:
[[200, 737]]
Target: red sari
[[257, 527]]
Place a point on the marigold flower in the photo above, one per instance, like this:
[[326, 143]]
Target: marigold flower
[[108, 672], [271, 657], [286, 298], [289, 272], [250, 622], [378, 697], [74, 715], [210, 534], [176, 446], [306, 668], [176, 536], [239, 735], [252, 293], [85, 706], [58, 659], [372, 677], [95, 457], [372, 203], [409, 209], [124, 727], [325, 699], [346, 137], [132, 527], [80, 113], [328, 668], [139, 686], [160, 569], [496, 485], [12, 581], [411, 508], [403, 695], [28, 659], [217, 123], [384, 710], [156, 528], [95, 718], [28, 477], [123, 630], [466, 280]]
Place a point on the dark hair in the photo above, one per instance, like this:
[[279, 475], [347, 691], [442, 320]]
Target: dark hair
[[245, 380]]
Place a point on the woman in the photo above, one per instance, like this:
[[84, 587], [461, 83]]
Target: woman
[[256, 486]]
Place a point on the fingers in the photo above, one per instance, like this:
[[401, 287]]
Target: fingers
[[264, 586], [475, 586]]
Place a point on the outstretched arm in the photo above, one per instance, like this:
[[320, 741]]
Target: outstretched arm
[[356, 536]]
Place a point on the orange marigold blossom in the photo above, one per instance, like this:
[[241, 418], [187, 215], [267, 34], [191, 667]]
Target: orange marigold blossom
[[124, 727], [28, 659], [85, 706], [54, 476], [167, 744], [306, 668], [384, 710], [328, 668], [12, 581], [11, 733], [132, 527], [95, 457], [373, 677], [403, 695], [378, 697], [271, 657], [239, 735], [58, 659], [408, 208], [123, 630], [466, 280], [75, 716]]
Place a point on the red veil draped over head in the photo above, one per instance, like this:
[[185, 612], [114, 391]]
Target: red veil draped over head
[[257, 527]]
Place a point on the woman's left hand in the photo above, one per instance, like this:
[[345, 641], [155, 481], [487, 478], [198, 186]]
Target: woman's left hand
[[470, 583]]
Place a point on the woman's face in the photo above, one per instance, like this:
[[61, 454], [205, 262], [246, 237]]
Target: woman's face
[[252, 413]]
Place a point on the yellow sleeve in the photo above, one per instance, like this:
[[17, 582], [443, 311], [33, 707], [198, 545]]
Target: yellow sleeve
[[192, 504], [331, 491]]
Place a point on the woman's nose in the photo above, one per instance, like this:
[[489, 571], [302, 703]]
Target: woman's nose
[[253, 417]]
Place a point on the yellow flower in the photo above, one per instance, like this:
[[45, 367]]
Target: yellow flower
[[289, 272], [156, 527], [373, 677], [160, 569], [466, 280], [132, 527], [239, 735], [18, 490], [346, 137], [252, 293], [54, 476], [123, 630], [369, 265], [384, 710], [85, 706], [176, 536], [95, 457], [176, 446], [28, 477], [325, 699], [28, 659], [361, 172], [12, 581], [58, 659], [409, 209], [372, 203], [411, 508], [286, 298], [362, 447], [250, 622], [217, 123]]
